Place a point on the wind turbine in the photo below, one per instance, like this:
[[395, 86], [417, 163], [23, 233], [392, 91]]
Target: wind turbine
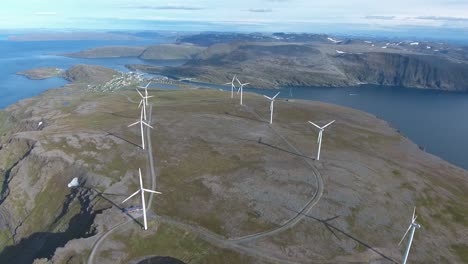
[[232, 85], [144, 102], [141, 122], [241, 89], [413, 226], [146, 92], [319, 140], [142, 190], [272, 100]]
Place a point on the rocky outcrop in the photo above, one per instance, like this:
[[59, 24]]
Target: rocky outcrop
[[408, 70], [38, 213]]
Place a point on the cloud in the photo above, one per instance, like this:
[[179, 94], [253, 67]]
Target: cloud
[[168, 7], [380, 17], [45, 13], [260, 10], [441, 18]]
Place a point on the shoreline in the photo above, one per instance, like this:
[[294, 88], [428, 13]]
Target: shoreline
[[257, 91]]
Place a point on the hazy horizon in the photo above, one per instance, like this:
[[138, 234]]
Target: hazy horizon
[[436, 19]]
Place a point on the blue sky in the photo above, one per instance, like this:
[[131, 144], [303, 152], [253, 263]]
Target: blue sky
[[261, 15]]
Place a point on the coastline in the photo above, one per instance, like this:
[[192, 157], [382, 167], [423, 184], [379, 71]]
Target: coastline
[[284, 97]]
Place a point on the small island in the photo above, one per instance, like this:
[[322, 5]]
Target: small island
[[42, 73]]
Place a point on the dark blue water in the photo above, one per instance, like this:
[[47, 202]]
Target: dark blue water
[[435, 120], [20, 56]]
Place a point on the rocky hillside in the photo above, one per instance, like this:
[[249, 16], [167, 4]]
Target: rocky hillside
[[408, 70], [315, 63], [235, 190]]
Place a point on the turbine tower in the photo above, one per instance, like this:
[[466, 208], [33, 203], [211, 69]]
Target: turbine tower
[[142, 191], [241, 89], [141, 122], [413, 226], [232, 85], [319, 139], [272, 100]]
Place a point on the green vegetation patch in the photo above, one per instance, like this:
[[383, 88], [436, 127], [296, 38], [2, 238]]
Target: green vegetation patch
[[46, 209], [461, 250], [176, 243]]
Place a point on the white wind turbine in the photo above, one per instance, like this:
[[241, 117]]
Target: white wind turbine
[[141, 122], [146, 92], [241, 89], [142, 190], [272, 100], [232, 85], [143, 102], [413, 226], [319, 140]]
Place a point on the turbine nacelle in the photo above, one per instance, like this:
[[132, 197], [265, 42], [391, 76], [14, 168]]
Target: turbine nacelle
[[272, 98]]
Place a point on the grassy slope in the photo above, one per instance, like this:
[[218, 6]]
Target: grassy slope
[[170, 241]]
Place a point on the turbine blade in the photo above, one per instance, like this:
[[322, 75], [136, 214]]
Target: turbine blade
[[314, 124], [238, 81], [147, 190], [276, 95], [407, 230], [148, 84], [328, 124], [139, 105], [135, 193], [268, 97], [245, 84], [414, 214], [144, 123], [227, 83], [134, 123], [149, 96], [139, 93]]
